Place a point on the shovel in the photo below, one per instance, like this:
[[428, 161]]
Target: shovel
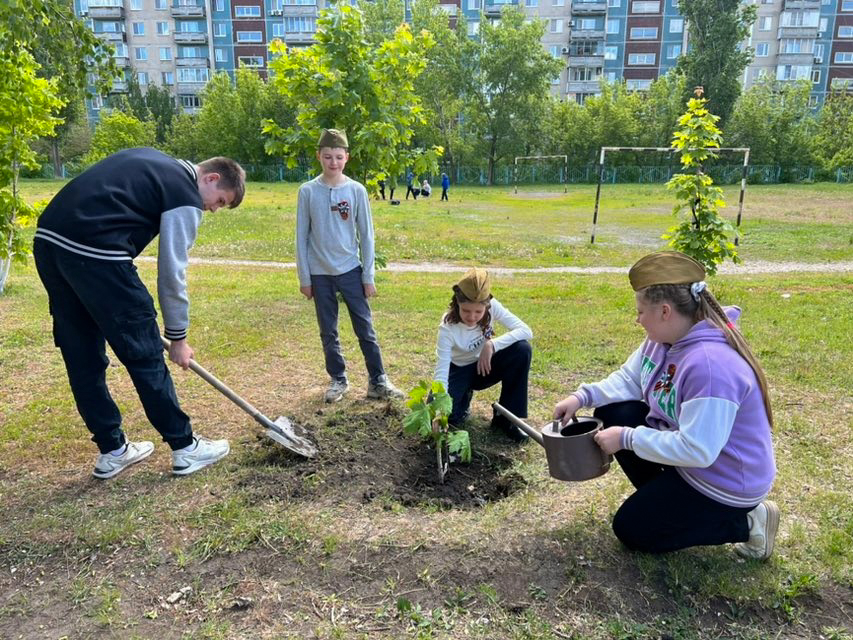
[[283, 431]]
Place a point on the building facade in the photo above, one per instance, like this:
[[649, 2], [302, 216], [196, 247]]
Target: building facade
[[180, 43]]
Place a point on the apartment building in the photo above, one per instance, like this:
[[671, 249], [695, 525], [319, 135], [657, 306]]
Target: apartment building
[[180, 43]]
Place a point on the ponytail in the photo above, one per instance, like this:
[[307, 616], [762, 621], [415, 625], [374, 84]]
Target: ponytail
[[702, 305]]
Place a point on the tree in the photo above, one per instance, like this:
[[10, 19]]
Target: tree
[[508, 84], [27, 107], [776, 122], [716, 57], [116, 131], [381, 19], [703, 235], [343, 82], [833, 144]]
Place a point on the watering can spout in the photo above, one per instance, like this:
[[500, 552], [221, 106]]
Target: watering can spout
[[518, 422]]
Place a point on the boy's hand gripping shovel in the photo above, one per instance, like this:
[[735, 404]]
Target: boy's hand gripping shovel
[[282, 430]]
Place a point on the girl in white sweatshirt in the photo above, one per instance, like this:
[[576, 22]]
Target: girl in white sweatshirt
[[471, 357]]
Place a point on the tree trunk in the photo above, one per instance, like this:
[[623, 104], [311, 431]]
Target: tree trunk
[[55, 158]]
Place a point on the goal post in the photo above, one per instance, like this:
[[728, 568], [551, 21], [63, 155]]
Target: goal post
[[604, 150], [565, 176]]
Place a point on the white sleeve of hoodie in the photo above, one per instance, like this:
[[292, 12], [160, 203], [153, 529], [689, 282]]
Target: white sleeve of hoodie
[[516, 328], [621, 385], [443, 351], [303, 226], [704, 427], [178, 230]]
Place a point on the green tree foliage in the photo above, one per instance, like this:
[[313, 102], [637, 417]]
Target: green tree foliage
[[381, 19], [183, 141], [27, 107], [507, 86], [702, 234], [716, 57], [343, 82], [116, 131], [776, 122], [833, 143]]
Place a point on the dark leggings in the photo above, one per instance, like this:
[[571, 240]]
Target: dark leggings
[[665, 513]]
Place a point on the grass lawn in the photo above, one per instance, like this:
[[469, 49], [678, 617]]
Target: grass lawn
[[361, 542]]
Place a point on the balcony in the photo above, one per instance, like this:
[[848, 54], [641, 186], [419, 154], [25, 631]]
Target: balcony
[[190, 87], [586, 60], [187, 11], [588, 34], [106, 13], [299, 38], [192, 62], [299, 10], [122, 62], [190, 37], [119, 86], [804, 59], [583, 86], [802, 4], [112, 36], [588, 8], [797, 32]]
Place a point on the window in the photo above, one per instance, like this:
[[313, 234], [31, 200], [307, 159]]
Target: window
[[220, 5], [300, 24], [190, 101], [644, 33], [586, 74], [818, 53], [162, 28], [800, 18], [191, 26], [612, 25], [278, 30], [219, 30], [220, 55], [762, 49], [531, 3], [140, 53], [841, 83], [845, 31], [580, 98], [824, 25], [610, 77], [247, 12], [168, 77], [135, 5], [97, 102], [792, 71], [139, 28], [554, 50], [614, 3], [142, 78], [555, 26], [165, 53], [193, 75], [641, 58], [815, 76], [120, 50], [585, 48], [796, 45], [611, 53], [473, 5], [108, 27], [766, 1], [759, 74], [473, 27], [161, 4], [765, 23], [676, 25], [256, 62], [192, 52], [645, 6], [586, 24], [844, 57], [846, 5], [249, 36], [638, 85], [557, 3], [673, 51]]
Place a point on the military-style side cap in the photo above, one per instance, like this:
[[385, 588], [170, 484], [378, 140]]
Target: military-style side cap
[[665, 267], [333, 138], [476, 285]]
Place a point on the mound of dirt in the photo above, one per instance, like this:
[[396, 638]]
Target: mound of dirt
[[364, 456]]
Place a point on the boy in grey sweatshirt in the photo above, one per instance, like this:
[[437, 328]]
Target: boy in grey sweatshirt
[[334, 253]]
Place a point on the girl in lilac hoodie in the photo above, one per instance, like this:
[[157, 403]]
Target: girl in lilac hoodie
[[688, 418]]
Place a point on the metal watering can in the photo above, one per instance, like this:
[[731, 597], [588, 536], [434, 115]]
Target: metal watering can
[[571, 450]]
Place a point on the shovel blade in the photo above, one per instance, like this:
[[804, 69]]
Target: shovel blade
[[292, 437]]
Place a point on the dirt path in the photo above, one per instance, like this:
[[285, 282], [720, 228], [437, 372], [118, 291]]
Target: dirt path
[[438, 267]]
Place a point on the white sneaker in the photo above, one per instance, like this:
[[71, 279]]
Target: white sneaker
[[383, 389], [205, 452], [763, 525], [336, 390], [107, 465]]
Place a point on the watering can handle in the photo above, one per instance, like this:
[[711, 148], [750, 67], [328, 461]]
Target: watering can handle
[[518, 422]]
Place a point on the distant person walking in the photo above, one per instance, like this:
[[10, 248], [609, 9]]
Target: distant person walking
[[410, 185], [445, 184]]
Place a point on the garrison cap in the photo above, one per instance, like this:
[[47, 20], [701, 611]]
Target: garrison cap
[[333, 138], [476, 285], [665, 267]]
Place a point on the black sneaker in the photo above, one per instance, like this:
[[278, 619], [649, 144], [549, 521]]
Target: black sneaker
[[502, 423]]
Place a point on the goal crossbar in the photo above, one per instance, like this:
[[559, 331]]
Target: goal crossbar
[[604, 150]]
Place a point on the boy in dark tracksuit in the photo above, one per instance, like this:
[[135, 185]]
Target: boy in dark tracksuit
[[84, 247]]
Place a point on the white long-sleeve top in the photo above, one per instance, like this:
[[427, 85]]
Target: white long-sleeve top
[[460, 344]]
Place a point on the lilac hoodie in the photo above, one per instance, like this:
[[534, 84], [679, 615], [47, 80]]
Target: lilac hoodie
[[707, 415]]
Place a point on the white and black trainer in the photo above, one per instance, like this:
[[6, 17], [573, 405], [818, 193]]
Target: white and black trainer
[[201, 453], [108, 465]]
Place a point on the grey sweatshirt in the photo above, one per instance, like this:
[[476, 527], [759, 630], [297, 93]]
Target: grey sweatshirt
[[334, 230]]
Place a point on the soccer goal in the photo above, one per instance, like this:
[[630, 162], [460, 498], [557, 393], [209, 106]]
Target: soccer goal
[[601, 168], [562, 178]]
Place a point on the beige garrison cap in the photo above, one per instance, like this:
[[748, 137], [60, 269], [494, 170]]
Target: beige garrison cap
[[476, 285], [665, 267], [334, 139]]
